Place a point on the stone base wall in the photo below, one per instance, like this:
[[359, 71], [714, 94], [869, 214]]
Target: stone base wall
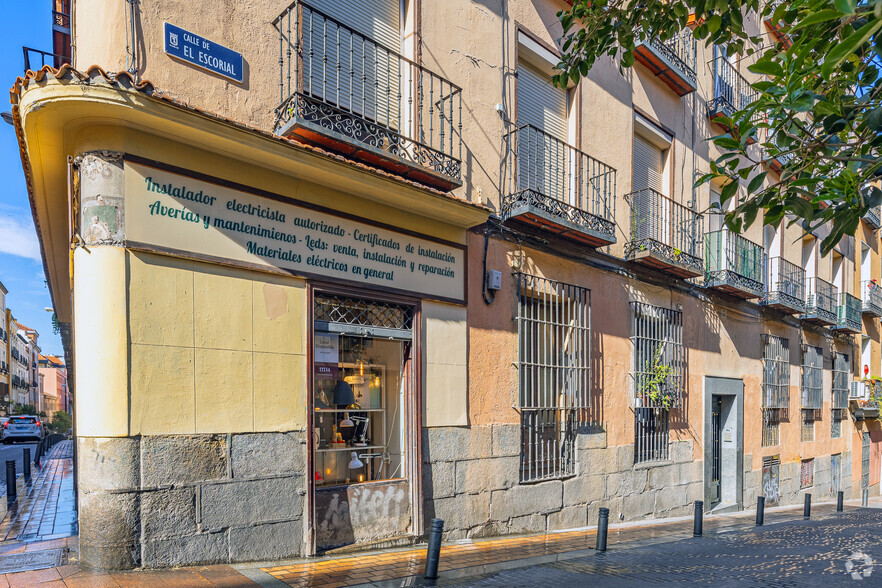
[[790, 479], [471, 481], [162, 501]]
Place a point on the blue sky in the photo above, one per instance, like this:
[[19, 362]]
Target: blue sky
[[24, 23]]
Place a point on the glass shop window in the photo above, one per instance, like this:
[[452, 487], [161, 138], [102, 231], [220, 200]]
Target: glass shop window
[[359, 400]]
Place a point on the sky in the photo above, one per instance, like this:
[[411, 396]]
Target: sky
[[24, 23]]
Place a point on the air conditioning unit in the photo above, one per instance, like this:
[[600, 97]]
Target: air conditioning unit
[[858, 390]]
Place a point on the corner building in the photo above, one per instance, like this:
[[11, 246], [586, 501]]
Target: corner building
[[359, 268]]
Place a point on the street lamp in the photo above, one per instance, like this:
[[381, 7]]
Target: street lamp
[[7, 117]]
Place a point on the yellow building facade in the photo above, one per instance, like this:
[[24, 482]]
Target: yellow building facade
[[325, 279]]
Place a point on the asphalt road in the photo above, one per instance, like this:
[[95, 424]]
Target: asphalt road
[[14, 451]]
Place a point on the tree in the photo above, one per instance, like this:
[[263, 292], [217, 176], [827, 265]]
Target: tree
[[819, 104], [24, 409], [61, 422]]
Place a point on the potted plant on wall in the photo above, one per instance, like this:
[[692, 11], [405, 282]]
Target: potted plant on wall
[[654, 382]]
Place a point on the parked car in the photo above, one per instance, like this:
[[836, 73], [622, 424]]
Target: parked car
[[22, 428]]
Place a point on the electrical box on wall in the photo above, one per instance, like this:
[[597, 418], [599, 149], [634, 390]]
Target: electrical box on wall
[[494, 280]]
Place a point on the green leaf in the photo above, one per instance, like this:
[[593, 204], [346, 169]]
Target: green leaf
[[848, 46], [627, 59], [713, 23], [728, 191], [768, 68], [820, 16], [801, 208], [845, 6], [756, 182], [874, 119]]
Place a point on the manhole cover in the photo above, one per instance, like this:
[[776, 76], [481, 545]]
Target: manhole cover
[[25, 562]]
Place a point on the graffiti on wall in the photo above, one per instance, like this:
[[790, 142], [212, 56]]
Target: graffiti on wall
[[359, 513]]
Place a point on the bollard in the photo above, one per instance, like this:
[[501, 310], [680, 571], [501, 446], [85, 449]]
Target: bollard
[[839, 498], [26, 464], [865, 497], [760, 509], [433, 551], [699, 513], [11, 492], [38, 454], [807, 509], [602, 525]]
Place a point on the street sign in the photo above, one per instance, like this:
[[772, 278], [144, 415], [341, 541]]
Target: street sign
[[202, 53]]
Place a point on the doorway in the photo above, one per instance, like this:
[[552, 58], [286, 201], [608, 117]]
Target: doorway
[[723, 448], [362, 420]]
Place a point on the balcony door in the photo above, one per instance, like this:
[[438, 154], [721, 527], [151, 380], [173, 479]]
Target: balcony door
[[350, 57], [654, 211], [543, 162]]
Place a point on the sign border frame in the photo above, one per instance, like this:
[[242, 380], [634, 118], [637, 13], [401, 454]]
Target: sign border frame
[[165, 24]]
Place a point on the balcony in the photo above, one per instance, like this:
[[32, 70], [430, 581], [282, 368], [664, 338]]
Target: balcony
[[664, 235], [871, 298], [673, 61], [820, 302], [732, 91], [872, 218], [775, 28], [557, 188], [786, 287], [848, 314], [734, 264], [347, 93]]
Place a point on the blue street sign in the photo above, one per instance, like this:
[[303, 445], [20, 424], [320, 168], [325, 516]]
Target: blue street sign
[[203, 53]]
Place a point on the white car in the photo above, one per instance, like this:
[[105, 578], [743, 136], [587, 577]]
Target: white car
[[22, 428]]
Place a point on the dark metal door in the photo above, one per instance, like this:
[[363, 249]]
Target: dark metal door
[[865, 462], [716, 425], [836, 478]]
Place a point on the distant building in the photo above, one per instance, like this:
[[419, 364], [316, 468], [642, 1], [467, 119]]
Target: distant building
[[55, 391]]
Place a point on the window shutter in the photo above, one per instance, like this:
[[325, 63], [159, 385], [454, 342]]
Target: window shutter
[[540, 103], [647, 165]]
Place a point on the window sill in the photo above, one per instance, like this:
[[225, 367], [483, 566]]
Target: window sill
[[644, 465]]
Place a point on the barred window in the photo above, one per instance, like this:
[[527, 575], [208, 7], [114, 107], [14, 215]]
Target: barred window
[[812, 377], [554, 358], [807, 474], [659, 377], [776, 387], [809, 416], [840, 381]]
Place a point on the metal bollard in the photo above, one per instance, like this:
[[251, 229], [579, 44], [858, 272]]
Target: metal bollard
[[840, 496], [865, 497], [433, 551], [602, 525], [38, 454], [760, 509], [807, 509], [11, 492], [26, 464], [699, 513]]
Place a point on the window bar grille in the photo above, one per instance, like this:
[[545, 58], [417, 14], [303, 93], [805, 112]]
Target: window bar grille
[[652, 434], [554, 359], [657, 340], [812, 377], [840, 381]]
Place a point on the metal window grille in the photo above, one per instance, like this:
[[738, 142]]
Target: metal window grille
[[840, 381], [776, 374], [651, 434], [554, 373], [807, 475], [348, 310], [836, 419], [812, 377], [809, 416], [659, 366], [771, 427]]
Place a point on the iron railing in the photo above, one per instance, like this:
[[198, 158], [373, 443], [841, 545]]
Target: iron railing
[[776, 374], [871, 297], [735, 260], [651, 434], [544, 171], [357, 90], [812, 377], [732, 91], [664, 227], [659, 357], [681, 51], [840, 381], [848, 313], [34, 56], [786, 284], [821, 299], [872, 217]]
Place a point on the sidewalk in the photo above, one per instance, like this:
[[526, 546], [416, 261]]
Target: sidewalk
[[399, 567]]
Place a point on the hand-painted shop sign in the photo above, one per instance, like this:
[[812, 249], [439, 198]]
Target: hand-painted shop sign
[[203, 53], [168, 210]]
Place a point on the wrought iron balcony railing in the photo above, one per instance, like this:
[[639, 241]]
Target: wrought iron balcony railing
[[558, 187], [821, 301], [674, 60], [848, 313], [665, 234], [786, 286], [35, 59], [872, 218], [871, 298], [734, 264], [345, 91], [732, 91]]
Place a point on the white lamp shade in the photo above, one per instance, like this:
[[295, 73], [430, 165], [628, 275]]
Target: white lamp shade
[[355, 463]]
